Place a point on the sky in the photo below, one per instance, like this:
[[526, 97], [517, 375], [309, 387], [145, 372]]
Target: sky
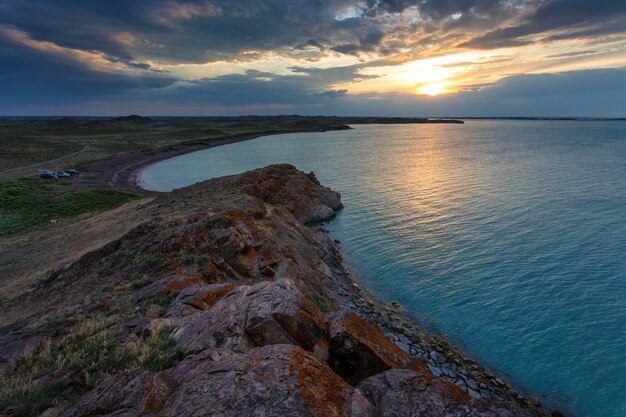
[[330, 57]]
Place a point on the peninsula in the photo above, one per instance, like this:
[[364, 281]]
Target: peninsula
[[229, 298]]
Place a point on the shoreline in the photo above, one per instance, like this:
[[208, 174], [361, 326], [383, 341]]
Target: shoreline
[[444, 359], [248, 280], [121, 172]]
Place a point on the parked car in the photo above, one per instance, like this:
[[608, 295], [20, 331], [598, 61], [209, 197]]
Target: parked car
[[62, 174], [71, 172], [49, 175]]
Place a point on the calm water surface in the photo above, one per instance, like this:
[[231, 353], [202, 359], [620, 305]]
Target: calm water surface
[[509, 236]]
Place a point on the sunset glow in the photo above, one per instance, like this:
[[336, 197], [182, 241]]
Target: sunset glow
[[432, 89], [311, 57]]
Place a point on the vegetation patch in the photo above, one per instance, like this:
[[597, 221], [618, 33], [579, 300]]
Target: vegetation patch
[[149, 262], [131, 258], [60, 372], [160, 351], [28, 204], [319, 302], [162, 301], [198, 259], [137, 283]]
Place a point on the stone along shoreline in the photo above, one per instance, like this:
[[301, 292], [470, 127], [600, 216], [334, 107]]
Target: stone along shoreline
[[224, 302]]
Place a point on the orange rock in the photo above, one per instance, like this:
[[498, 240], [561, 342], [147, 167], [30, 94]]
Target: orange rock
[[177, 284], [205, 297], [358, 349], [157, 391]]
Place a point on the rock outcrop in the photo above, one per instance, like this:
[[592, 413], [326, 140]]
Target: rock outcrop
[[267, 313], [223, 303]]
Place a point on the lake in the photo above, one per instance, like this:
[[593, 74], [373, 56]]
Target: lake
[[508, 236]]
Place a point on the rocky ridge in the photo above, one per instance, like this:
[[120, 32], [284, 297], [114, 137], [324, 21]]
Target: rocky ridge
[[226, 302]]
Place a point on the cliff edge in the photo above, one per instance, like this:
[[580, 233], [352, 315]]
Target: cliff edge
[[224, 302]]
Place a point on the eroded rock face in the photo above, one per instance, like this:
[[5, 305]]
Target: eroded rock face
[[404, 393], [302, 195], [258, 315], [359, 349], [128, 392], [231, 266], [198, 297], [401, 392], [278, 380]]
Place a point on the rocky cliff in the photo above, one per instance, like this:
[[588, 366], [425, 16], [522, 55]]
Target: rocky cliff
[[226, 302]]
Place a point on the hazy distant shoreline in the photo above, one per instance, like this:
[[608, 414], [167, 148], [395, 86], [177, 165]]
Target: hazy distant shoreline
[[425, 119]]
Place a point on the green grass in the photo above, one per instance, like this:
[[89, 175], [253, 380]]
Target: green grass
[[319, 302], [199, 259], [148, 262], [161, 351], [28, 204], [24, 142], [137, 283], [162, 301], [94, 357]]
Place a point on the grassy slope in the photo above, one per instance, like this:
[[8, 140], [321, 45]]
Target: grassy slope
[[28, 204], [24, 142], [48, 378]]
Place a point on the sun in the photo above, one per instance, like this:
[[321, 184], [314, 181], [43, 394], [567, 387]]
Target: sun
[[432, 89]]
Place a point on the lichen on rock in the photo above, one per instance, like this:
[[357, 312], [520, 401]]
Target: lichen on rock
[[247, 294]]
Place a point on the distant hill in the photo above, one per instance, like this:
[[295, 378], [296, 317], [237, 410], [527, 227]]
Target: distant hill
[[134, 119], [64, 121]]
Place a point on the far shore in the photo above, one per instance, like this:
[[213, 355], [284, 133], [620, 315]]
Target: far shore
[[122, 171]]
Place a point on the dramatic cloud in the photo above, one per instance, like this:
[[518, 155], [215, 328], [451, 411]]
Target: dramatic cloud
[[323, 56], [572, 18]]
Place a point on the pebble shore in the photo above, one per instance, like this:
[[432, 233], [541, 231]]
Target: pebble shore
[[444, 359]]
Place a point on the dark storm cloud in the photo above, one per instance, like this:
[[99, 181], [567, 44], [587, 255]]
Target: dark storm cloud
[[309, 87], [133, 38], [334, 93], [178, 31], [578, 18], [83, 25], [442, 9], [30, 77], [199, 31]]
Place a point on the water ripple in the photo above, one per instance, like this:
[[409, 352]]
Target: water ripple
[[509, 236]]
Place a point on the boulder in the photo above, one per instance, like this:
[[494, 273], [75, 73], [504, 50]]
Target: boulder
[[125, 392], [277, 380], [319, 213], [263, 314], [198, 297], [358, 349], [302, 195], [169, 284], [405, 393]]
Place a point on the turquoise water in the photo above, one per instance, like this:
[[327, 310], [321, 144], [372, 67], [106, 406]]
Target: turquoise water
[[509, 236]]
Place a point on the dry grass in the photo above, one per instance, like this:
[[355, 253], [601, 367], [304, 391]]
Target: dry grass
[[59, 372]]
